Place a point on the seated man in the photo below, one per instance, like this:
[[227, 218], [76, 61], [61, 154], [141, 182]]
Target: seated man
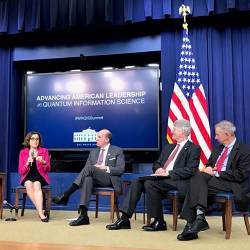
[[177, 162], [104, 168], [227, 170]]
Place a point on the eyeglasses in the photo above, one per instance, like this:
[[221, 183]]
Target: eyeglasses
[[34, 139]]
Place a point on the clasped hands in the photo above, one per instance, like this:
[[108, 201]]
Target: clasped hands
[[210, 170], [101, 167]]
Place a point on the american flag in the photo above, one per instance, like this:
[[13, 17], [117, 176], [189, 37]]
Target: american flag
[[189, 101]]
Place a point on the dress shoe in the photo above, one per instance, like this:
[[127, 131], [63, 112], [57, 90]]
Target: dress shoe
[[119, 224], [46, 219], [156, 225], [46, 214], [200, 224], [60, 199], [81, 220], [185, 236]]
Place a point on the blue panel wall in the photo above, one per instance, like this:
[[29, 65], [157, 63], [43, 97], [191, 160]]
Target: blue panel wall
[[134, 45], [61, 181]]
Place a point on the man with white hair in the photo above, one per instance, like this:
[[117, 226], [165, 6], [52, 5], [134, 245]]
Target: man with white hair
[[227, 170], [176, 164]]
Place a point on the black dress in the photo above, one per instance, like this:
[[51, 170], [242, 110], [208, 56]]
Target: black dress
[[34, 175]]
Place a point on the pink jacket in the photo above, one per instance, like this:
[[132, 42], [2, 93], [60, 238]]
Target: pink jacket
[[43, 169]]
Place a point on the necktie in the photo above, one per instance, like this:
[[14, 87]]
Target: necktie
[[221, 159], [101, 156], [171, 157]]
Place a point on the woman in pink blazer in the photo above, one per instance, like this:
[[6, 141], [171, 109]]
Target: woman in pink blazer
[[33, 167]]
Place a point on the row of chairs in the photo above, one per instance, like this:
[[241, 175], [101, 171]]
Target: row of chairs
[[225, 199]]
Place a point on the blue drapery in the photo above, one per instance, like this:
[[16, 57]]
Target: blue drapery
[[5, 73], [32, 15], [223, 62], [222, 55]]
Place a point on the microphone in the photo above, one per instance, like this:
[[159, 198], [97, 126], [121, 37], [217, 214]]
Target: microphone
[[32, 154], [6, 203]]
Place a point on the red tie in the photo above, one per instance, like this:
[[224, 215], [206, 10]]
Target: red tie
[[221, 159], [171, 157]]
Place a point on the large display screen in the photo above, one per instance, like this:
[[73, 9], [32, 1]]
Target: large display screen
[[69, 108]]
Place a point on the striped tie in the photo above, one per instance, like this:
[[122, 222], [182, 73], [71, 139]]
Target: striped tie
[[171, 157]]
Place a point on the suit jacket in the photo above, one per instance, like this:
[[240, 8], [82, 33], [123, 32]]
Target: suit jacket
[[114, 160], [185, 166], [237, 169], [43, 169]]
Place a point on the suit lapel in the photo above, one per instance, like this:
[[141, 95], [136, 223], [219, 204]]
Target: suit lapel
[[184, 148], [217, 154], [97, 152], [108, 154], [232, 154]]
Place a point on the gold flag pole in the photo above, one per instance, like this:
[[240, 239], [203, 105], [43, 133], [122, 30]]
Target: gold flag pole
[[184, 10]]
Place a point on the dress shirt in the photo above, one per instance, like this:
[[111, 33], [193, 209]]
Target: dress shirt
[[171, 164], [106, 148], [224, 165]]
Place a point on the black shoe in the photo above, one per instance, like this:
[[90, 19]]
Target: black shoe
[[185, 236], [46, 214], [81, 220], [200, 224], [119, 224], [60, 199], [157, 225], [187, 228], [46, 219]]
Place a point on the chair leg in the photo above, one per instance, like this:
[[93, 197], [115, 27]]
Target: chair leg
[[247, 223], [44, 201], [223, 222], [144, 208], [96, 205], [228, 218], [175, 212], [112, 206], [16, 201], [24, 202], [48, 202]]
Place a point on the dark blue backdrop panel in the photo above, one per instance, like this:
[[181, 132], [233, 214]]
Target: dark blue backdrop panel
[[5, 88], [222, 58], [75, 103], [61, 181], [132, 45]]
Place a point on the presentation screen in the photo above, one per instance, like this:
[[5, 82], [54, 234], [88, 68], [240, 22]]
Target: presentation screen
[[69, 108]]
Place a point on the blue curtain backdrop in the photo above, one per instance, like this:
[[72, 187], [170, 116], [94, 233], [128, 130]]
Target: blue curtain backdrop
[[223, 59], [31, 15], [5, 74], [222, 53]]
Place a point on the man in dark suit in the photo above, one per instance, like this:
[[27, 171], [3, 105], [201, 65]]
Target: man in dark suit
[[227, 170], [104, 168], [177, 163]]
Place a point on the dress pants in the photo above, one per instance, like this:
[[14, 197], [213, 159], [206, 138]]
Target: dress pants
[[132, 197], [201, 185], [156, 191], [89, 177]]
